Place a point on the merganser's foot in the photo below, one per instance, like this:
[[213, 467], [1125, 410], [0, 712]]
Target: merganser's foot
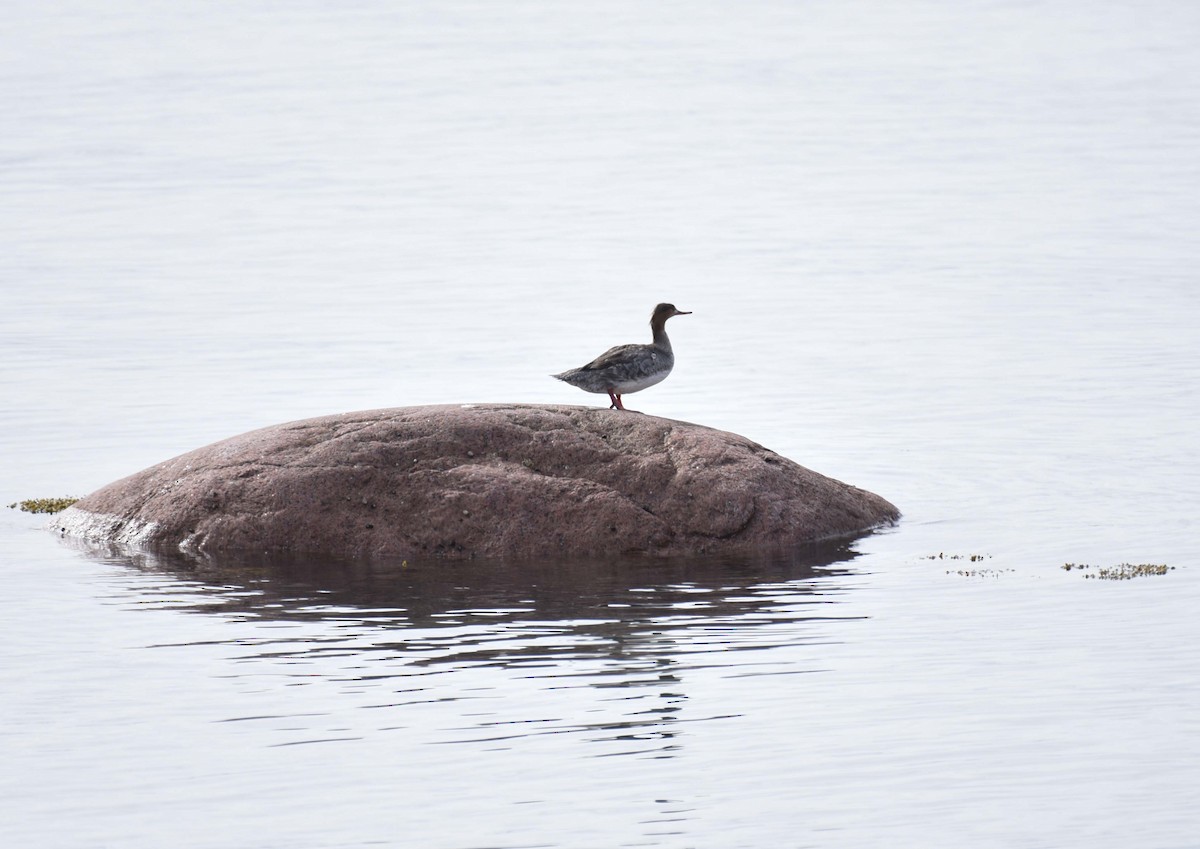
[[616, 401]]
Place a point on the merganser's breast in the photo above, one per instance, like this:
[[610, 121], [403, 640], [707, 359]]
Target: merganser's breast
[[624, 387]]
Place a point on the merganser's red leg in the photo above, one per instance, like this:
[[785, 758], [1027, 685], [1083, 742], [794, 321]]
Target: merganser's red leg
[[616, 401]]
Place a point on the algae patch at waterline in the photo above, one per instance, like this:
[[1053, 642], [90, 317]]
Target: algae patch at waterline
[[43, 505]]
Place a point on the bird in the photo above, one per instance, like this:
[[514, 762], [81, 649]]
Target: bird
[[629, 368]]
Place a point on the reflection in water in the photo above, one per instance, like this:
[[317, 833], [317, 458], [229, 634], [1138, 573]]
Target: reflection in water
[[518, 649]]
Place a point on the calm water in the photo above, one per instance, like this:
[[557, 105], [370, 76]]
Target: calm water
[[946, 252]]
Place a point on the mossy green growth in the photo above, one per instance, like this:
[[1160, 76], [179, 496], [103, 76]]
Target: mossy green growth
[[43, 505]]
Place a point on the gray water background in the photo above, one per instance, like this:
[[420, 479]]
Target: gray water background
[[945, 252]]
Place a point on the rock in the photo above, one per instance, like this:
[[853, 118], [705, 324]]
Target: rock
[[488, 480]]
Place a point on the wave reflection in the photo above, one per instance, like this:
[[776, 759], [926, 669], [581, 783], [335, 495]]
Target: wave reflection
[[489, 653]]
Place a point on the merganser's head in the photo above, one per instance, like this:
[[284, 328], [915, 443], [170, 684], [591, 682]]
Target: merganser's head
[[664, 311]]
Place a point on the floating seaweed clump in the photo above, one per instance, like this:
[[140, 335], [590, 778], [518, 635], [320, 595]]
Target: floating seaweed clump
[[941, 555], [978, 573], [43, 505], [1120, 572]]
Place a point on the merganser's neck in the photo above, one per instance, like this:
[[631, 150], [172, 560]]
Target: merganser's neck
[[659, 328]]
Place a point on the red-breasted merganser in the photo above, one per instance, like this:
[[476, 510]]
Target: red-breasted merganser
[[629, 368]]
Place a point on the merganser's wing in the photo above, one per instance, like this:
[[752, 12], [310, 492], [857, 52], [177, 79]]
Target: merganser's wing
[[622, 355]]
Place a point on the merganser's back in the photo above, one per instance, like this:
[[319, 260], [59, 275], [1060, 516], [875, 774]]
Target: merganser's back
[[629, 368]]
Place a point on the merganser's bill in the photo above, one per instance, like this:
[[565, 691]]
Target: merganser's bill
[[629, 368]]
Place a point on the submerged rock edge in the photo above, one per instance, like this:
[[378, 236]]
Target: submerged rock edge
[[104, 528]]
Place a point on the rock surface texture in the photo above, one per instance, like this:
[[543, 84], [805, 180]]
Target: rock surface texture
[[488, 480]]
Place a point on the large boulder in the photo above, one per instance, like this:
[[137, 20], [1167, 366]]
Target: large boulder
[[477, 480]]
